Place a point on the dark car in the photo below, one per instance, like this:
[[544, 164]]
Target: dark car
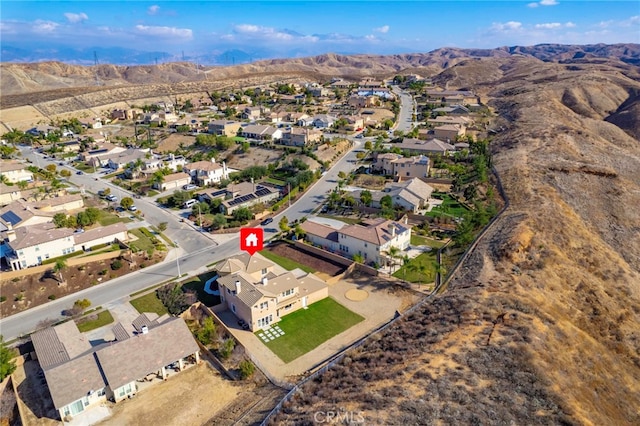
[[266, 221], [79, 172]]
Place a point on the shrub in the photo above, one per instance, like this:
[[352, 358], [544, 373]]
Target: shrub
[[116, 264], [3, 298], [172, 296], [207, 332], [82, 304], [103, 272], [227, 348], [52, 297], [246, 369]]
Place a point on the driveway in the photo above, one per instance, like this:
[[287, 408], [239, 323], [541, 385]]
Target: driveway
[[381, 302]]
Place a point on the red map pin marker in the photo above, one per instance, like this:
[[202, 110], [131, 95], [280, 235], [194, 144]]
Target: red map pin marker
[[251, 240]]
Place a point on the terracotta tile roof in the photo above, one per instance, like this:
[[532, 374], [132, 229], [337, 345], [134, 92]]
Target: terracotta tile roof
[[176, 176], [320, 230], [203, 165], [29, 236], [376, 231], [100, 232]]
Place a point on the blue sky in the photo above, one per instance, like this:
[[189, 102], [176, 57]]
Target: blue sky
[[295, 28]]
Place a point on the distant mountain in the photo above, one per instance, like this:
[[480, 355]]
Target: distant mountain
[[85, 56]]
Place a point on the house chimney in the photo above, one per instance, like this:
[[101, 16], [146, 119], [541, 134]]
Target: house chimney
[[144, 329], [265, 280], [11, 235], [392, 230], [213, 159], [238, 288]]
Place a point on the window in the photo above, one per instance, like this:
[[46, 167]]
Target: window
[[264, 305], [228, 291], [264, 271], [289, 306], [288, 292], [37, 248]]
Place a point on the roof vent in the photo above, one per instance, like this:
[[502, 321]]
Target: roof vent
[[265, 280], [238, 287], [144, 329]]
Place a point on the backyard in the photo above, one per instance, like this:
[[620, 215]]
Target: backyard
[[449, 207], [149, 303], [290, 257], [421, 269], [197, 284], [308, 328]]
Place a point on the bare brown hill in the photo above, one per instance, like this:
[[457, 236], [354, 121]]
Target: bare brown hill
[[541, 323]]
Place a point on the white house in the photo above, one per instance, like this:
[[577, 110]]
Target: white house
[[323, 121], [173, 181], [261, 132], [15, 171], [372, 240], [28, 246], [207, 172]]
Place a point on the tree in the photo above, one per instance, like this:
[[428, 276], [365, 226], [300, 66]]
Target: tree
[[284, 224], [358, 258], [60, 220], [162, 226], [368, 145], [58, 267], [219, 221], [82, 304], [126, 202], [207, 332], [227, 348], [366, 198], [7, 362], [242, 214], [393, 253], [246, 369], [51, 168], [386, 202], [65, 173]]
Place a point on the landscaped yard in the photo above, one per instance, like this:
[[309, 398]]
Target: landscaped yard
[[417, 240], [449, 207], [89, 323], [286, 263], [306, 329], [197, 284], [419, 270], [107, 218], [143, 243], [149, 303]]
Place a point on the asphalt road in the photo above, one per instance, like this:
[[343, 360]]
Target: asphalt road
[[191, 260]]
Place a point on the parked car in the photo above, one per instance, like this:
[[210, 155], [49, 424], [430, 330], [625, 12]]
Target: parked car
[[133, 208], [189, 187], [112, 198], [266, 221], [79, 172]]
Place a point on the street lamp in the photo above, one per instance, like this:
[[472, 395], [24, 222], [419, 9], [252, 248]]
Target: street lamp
[[175, 243]]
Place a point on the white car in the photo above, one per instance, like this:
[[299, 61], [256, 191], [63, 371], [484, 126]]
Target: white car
[[133, 208], [112, 198], [189, 187]]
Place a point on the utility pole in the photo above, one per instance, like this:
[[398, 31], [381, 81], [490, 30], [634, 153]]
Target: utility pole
[[289, 192], [177, 258], [200, 218]]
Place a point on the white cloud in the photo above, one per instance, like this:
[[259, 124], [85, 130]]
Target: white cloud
[[383, 29], [554, 25], [511, 26], [40, 26], [152, 10], [634, 20], [260, 33], [184, 33], [74, 18], [543, 3]]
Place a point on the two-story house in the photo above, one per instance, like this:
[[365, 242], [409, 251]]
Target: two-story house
[[400, 167], [205, 173], [297, 136], [449, 132], [372, 240], [224, 127], [173, 181], [432, 146], [254, 293], [261, 132], [324, 121]]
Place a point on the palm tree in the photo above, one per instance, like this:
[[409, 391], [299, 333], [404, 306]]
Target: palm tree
[[58, 267], [420, 268], [4, 179], [393, 253]]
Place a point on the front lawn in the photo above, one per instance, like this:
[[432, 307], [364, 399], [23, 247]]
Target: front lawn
[[306, 329], [88, 324], [143, 243], [420, 269], [197, 284], [286, 263], [149, 303], [106, 218]]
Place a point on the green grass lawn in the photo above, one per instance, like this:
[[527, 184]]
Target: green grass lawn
[[197, 284], [307, 329], [149, 303], [286, 263], [449, 207], [275, 181], [349, 220], [143, 243], [107, 218], [417, 240], [428, 275], [104, 318]]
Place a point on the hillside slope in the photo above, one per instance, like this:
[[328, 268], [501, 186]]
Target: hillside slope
[[541, 323]]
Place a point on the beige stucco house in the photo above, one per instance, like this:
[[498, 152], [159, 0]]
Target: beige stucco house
[[15, 171], [254, 293]]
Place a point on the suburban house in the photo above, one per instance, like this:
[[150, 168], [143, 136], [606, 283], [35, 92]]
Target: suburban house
[[449, 132], [21, 213], [124, 158], [323, 121], [9, 193], [81, 376], [356, 101], [412, 195], [451, 97], [318, 91], [455, 120], [28, 246], [254, 113], [122, 114], [247, 194], [396, 165], [261, 132], [69, 146], [69, 202], [371, 240], [101, 154], [297, 136], [15, 171], [452, 110], [205, 173], [224, 127], [255, 294], [433, 146], [305, 121], [380, 92], [174, 163], [41, 130], [173, 181]]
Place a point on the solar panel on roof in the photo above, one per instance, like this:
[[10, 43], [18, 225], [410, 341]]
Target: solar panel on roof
[[241, 199], [262, 192], [11, 217]]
